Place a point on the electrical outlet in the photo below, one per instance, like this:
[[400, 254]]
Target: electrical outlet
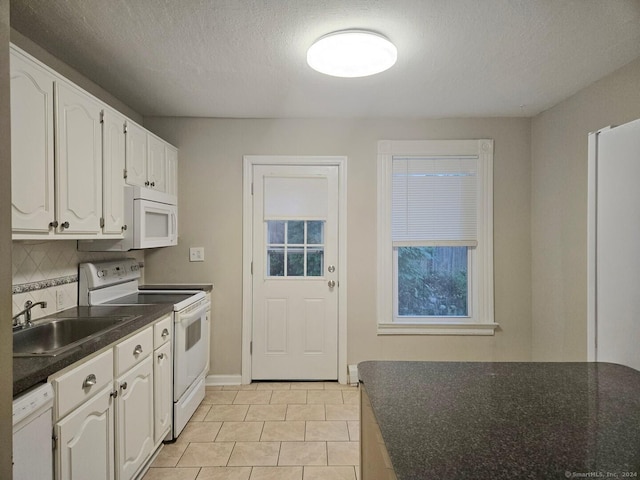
[[61, 299], [196, 254]]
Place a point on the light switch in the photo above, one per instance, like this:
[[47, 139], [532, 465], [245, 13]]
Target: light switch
[[196, 254]]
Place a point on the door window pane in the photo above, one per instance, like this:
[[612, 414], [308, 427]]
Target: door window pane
[[295, 232], [288, 254], [275, 232], [315, 261], [275, 262], [432, 281], [295, 262], [315, 233]]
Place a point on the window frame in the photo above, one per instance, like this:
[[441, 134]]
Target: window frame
[[481, 300]]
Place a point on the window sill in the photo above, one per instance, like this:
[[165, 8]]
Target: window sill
[[437, 328]]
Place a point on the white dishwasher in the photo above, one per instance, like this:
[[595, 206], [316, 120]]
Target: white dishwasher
[[32, 432]]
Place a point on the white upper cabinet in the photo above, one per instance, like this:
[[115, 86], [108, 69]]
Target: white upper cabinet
[[113, 166], [136, 154], [148, 163], [157, 164], [171, 155], [32, 190], [71, 157], [78, 161]]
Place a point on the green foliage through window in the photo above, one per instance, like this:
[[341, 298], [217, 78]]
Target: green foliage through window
[[432, 281]]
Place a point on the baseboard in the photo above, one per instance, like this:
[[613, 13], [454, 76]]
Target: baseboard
[[214, 380]]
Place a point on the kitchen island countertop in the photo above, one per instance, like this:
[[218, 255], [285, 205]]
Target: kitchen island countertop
[[485, 420]]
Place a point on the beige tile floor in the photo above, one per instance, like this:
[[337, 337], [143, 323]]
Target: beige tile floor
[[268, 431]]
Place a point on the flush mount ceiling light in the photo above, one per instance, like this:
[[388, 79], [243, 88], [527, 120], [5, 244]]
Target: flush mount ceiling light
[[352, 53]]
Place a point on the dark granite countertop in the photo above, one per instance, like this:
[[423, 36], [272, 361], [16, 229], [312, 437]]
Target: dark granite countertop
[[492, 421], [205, 287], [29, 371]]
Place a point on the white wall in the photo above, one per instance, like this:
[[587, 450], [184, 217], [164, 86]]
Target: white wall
[[559, 209], [210, 196]]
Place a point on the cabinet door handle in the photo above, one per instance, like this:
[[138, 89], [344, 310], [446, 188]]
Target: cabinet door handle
[[90, 381], [53, 224], [123, 386], [124, 228], [146, 184], [165, 333], [137, 350], [153, 184], [65, 225], [114, 394], [161, 356]]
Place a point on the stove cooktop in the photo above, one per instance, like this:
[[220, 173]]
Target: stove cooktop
[[146, 298]]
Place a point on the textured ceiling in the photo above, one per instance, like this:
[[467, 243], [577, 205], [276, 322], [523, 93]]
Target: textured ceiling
[[247, 58]]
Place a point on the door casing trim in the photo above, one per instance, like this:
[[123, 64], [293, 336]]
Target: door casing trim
[[247, 248]]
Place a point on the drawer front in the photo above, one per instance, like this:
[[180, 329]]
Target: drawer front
[[162, 331], [81, 383], [133, 350]]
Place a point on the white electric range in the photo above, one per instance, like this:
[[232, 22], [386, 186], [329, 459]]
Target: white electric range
[[117, 283]]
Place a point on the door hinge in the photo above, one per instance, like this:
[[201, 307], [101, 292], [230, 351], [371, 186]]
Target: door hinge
[[101, 222], [124, 173], [251, 347]]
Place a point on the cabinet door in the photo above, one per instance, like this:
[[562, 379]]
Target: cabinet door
[[78, 161], [163, 392], [134, 419], [136, 155], [85, 441], [171, 155], [32, 195], [157, 164], [113, 165]]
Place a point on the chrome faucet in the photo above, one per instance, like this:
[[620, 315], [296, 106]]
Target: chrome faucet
[[27, 314]]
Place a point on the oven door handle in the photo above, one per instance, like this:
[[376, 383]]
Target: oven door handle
[[187, 318]]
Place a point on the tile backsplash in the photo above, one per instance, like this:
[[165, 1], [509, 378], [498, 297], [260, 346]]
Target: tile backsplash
[[48, 270]]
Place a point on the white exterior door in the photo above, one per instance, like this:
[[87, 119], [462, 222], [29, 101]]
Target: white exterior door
[[295, 272], [614, 198]]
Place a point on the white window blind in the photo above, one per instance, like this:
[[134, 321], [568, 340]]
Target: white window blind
[[434, 200]]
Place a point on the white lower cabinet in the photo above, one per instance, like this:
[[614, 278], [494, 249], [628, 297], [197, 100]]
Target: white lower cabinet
[[163, 392], [84, 445], [110, 413], [134, 417]]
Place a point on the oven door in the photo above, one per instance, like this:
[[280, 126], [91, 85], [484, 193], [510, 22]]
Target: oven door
[[191, 347], [155, 224]]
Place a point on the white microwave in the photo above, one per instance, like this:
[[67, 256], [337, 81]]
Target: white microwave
[[151, 220]]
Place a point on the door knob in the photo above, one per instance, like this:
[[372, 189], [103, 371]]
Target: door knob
[[331, 268], [331, 283]]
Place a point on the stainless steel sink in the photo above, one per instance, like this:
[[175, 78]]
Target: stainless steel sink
[[54, 336]]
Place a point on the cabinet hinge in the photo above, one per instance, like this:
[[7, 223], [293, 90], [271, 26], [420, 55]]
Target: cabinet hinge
[[125, 129], [251, 347], [251, 268], [252, 189], [101, 222], [124, 173], [54, 442], [102, 116]]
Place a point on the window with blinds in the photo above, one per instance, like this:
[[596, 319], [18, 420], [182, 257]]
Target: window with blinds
[[435, 229]]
